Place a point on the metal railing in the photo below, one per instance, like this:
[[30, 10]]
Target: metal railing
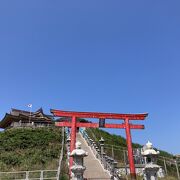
[[29, 175]]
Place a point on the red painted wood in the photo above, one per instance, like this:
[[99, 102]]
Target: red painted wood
[[127, 126], [96, 125], [98, 115], [130, 150], [73, 138]]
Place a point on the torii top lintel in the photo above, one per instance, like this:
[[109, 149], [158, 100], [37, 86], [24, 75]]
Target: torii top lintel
[[98, 115], [102, 116]]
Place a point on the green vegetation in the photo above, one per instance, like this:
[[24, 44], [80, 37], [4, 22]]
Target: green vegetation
[[29, 149], [115, 146], [168, 178], [116, 141], [39, 149]]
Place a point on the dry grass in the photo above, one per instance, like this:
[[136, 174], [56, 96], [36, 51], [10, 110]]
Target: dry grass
[[168, 178]]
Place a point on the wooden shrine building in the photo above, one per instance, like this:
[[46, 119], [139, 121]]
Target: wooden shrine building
[[20, 118]]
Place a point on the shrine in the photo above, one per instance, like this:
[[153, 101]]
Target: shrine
[[20, 118], [102, 124]]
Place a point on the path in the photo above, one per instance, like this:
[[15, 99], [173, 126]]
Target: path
[[94, 170]]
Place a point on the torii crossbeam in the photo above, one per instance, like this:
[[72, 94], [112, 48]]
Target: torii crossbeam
[[102, 116]]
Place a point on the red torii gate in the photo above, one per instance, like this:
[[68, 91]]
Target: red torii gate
[[102, 116]]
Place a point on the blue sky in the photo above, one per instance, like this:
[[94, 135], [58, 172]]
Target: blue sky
[[109, 56]]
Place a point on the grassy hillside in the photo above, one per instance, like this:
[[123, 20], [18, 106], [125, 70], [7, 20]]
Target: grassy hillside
[[29, 149], [119, 146], [115, 140], [36, 149]]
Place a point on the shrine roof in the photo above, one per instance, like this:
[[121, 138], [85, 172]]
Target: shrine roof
[[16, 115]]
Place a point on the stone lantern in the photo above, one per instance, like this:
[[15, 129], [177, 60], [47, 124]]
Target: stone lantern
[[151, 168], [101, 142], [68, 142], [68, 147], [78, 167]]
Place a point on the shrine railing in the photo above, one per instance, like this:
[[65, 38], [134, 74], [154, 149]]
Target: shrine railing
[[29, 175], [32, 125]]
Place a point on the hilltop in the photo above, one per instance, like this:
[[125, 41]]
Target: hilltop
[[26, 149]]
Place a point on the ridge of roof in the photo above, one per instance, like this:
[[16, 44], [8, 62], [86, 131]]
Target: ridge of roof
[[18, 110], [40, 110]]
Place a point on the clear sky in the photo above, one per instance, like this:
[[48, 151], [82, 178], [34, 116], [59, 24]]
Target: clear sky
[[110, 56]]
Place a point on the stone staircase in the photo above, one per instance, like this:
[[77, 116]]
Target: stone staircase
[[94, 169]]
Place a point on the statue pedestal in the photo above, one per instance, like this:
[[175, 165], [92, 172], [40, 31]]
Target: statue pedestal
[[150, 172], [77, 172], [78, 167]]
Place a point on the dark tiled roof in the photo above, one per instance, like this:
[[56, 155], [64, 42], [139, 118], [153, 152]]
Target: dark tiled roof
[[16, 115]]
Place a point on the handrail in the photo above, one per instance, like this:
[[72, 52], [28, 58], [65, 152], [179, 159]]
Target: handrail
[[26, 175], [13, 172], [61, 155]]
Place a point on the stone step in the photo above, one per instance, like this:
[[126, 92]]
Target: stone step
[[94, 169]]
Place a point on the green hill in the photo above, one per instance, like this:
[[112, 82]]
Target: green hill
[[27, 149], [116, 141], [115, 146]]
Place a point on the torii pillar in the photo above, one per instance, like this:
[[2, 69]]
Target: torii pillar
[[102, 116]]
